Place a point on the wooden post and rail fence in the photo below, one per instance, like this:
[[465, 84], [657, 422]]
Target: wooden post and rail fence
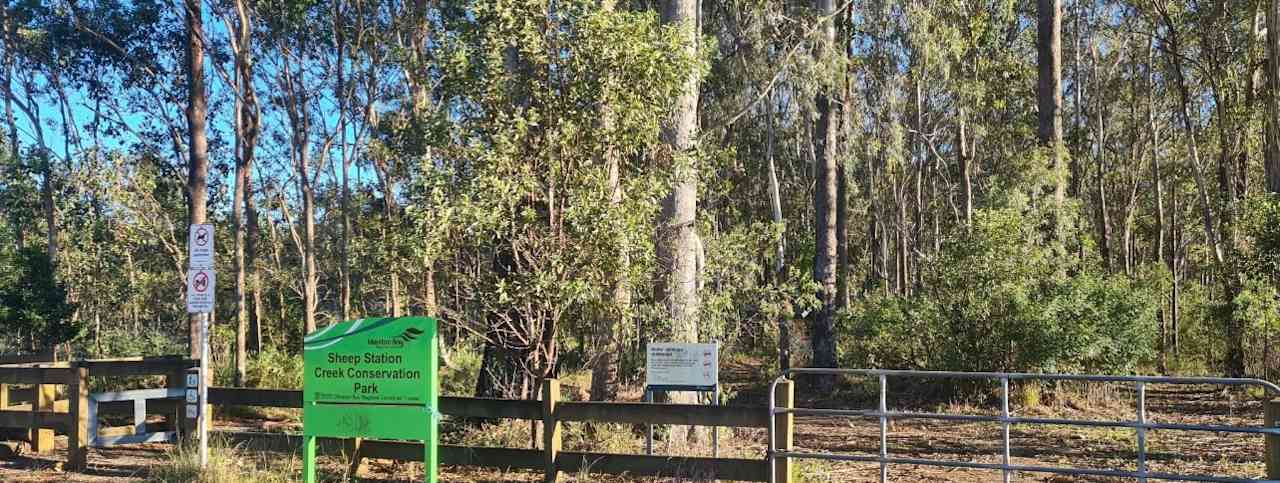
[[38, 410], [551, 458], [39, 413], [20, 408]]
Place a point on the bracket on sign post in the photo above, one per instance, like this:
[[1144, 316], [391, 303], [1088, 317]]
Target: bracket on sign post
[[192, 398], [674, 367]]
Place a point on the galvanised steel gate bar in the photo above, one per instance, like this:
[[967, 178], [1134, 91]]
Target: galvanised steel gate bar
[[1140, 425]]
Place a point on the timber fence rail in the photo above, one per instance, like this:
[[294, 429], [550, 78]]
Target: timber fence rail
[[550, 458]]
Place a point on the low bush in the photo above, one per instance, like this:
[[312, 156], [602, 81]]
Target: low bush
[[1002, 300]]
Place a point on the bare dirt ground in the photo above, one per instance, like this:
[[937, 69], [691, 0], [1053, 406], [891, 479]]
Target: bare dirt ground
[[1199, 453]]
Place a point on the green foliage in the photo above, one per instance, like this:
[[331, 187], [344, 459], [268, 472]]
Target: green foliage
[[458, 378], [33, 302], [998, 300], [1260, 223], [124, 341], [274, 369], [1257, 307]]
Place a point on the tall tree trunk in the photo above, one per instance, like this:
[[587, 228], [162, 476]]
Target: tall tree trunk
[[310, 284], [10, 28], [825, 203], [237, 224], [50, 209], [246, 130], [1230, 143], [254, 343], [1158, 190], [605, 373], [780, 264], [8, 32], [677, 245], [966, 170], [344, 197], [923, 161], [1175, 266], [297, 101], [605, 370], [841, 152], [1049, 88], [1099, 128], [389, 210], [1272, 113], [1173, 57], [197, 142]]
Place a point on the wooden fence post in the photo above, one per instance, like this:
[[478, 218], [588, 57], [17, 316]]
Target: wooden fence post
[[177, 379], [43, 400], [1273, 441], [78, 417], [356, 466], [550, 429], [784, 430]]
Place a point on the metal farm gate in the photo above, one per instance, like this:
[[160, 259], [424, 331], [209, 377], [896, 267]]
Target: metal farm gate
[[1140, 424]]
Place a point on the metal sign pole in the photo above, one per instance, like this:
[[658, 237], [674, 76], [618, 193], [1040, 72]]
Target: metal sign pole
[[715, 430], [203, 420], [648, 436], [200, 298]]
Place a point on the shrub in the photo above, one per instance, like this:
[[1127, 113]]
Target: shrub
[[1002, 300], [33, 302]]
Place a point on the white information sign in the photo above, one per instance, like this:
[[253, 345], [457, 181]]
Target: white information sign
[[685, 365], [200, 289], [200, 246], [193, 411]]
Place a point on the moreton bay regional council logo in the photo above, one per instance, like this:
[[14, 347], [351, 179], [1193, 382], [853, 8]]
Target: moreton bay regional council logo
[[410, 334]]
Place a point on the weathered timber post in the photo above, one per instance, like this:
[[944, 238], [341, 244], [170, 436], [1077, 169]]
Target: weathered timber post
[[177, 379], [1273, 441], [784, 430], [78, 418], [43, 400], [551, 433], [356, 466]]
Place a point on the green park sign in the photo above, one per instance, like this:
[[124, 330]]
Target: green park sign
[[371, 378]]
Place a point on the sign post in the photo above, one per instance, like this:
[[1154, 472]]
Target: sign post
[[201, 288], [371, 378], [673, 367]]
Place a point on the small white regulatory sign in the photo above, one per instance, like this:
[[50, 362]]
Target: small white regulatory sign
[[193, 396], [200, 246], [193, 411], [684, 365], [200, 289]]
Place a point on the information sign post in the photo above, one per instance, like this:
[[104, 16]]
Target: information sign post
[[200, 296], [673, 367], [372, 378]]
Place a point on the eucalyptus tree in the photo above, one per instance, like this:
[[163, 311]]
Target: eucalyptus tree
[[678, 245], [826, 203], [524, 206], [1272, 112], [1049, 87]]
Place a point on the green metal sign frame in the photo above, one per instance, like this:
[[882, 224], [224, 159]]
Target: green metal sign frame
[[372, 378]]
